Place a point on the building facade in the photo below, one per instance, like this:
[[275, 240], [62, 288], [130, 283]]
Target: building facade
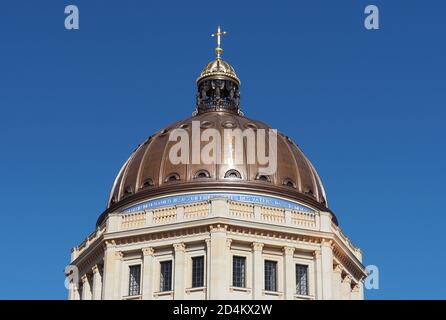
[[217, 230]]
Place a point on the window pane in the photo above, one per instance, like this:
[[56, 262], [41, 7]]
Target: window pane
[[270, 275], [134, 280], [239, 272], [302, 279], [197, 272], [166, 276]]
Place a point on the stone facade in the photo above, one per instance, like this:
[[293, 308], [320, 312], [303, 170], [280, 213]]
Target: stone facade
[[218, 230]]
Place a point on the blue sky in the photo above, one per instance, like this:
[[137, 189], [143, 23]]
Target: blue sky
[[367, 107]]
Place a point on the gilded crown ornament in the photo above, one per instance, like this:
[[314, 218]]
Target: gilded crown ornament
[[218, 84]]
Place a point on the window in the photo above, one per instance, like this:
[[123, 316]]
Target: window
[[166, 276], [197, 272], [302, 280], [239, 272], [270, 275], [233, 174], [202, 174], [134, 280]]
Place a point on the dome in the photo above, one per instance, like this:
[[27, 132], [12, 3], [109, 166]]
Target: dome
[[218, 67], [149, 172]]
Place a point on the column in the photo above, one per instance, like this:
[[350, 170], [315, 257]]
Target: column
[[118, 269], [289, 273], [73, 291], [76, 295], [327, 269], [112, 271], [257, 273], [109, 273], [179, 273], [228, 262], [358, 291], [97, 283], [86, 289], [337, 281], [218, 286], [318, 264], [346, 287], [147, 274], [208, 267]]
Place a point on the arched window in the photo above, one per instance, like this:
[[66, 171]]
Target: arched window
[[309, 191], [147, 183], [128, 191], [289, 183], [201, 174], [233, 174], [263, 178], [172, 177]]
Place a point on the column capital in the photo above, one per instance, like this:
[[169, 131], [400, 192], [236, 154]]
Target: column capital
[[355, 287], [179, 247], [218, 228], [147, 251], [109, 244], [257, 246], [338, 268], [84, 279], [317, 254], [95, 268], [119, 254], [327, 243], [288, 250], [228, 243], [348, 278]]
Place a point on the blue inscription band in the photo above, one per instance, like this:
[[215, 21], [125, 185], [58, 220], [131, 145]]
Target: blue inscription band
[[183, 199]]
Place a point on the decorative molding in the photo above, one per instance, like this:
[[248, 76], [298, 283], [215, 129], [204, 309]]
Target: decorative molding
[[338, 269], [218, 228], [95, 269], [191, 198], [179, 247], [148, 251], [348, 278], [257, 246]]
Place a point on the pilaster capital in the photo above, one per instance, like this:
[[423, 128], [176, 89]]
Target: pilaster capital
[[348, 278], [338, 268], [257, 246], [109, 244], [327, 243], [218, 228], [179, 247], [228, 243], [288, 250], [317, 254], [147, 251], [356, 287], [119, 254], [208, 242], [84, 279], [95, 269]]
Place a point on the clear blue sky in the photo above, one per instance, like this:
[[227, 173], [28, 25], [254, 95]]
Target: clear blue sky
[[367, 107]]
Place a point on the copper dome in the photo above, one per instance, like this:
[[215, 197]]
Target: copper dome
[[149, 172]]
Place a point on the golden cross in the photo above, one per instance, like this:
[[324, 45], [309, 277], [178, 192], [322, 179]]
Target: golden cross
[[219, 33]]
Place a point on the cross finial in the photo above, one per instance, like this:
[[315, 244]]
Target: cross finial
[[219, 33]]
